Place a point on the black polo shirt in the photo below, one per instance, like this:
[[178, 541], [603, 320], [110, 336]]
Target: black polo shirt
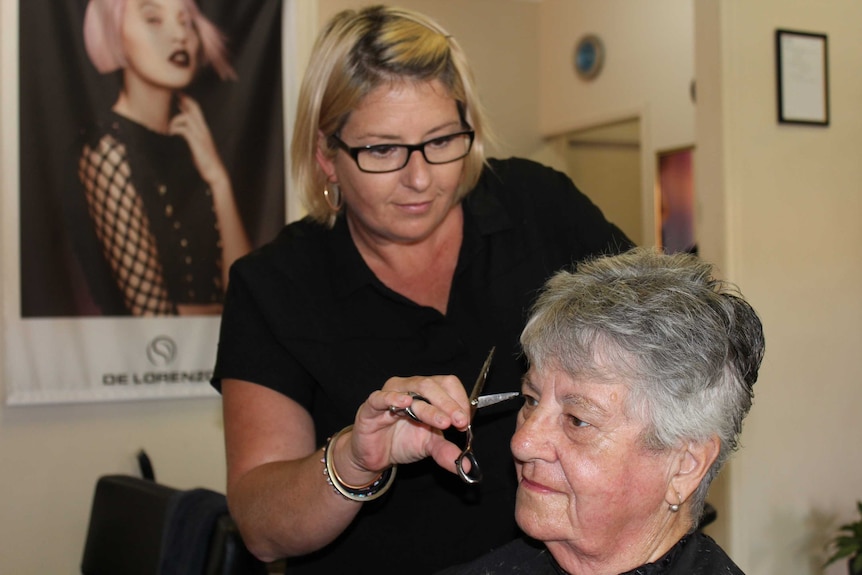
[[305, 316]]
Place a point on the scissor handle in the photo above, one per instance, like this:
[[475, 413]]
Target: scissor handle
[[475, 474]]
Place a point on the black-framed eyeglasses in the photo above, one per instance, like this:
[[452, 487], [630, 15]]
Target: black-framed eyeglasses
[[382, 158]]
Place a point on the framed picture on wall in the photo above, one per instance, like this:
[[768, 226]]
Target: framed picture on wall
[[802, 72]]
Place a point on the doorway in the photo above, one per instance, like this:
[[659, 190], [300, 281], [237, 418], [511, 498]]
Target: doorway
[[605, 163]]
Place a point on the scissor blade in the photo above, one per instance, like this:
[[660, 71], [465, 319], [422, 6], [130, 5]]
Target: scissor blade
[[480, 381], [494, 398]]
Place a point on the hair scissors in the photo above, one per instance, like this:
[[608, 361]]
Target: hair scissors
[[478, 401]]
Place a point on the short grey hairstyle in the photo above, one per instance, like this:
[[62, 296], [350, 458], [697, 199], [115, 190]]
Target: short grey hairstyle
[[687, 344]]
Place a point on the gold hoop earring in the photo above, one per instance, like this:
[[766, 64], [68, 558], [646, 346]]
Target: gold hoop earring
[[333, 197]]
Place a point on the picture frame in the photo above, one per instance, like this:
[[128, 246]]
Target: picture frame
[[802, 74]]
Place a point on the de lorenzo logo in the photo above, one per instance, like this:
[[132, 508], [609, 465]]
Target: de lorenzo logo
[[161, 351]]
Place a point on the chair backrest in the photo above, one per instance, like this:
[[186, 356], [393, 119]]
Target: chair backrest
[[709, 515], [140, 527]]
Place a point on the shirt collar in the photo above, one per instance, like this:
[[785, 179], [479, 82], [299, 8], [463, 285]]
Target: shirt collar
[[349, 270]]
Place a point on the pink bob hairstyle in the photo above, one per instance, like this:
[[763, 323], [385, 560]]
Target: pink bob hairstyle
[[103, 25]]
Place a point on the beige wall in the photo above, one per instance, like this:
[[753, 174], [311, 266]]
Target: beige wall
[[790, 235], [779, 211], [649, 66]]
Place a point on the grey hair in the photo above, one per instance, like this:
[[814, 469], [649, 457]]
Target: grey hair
[[688, 345]]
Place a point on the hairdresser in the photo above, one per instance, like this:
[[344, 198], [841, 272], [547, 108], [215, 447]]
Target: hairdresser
[[417, 256]]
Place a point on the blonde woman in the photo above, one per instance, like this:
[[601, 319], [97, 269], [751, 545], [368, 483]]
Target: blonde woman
[[417, 257]]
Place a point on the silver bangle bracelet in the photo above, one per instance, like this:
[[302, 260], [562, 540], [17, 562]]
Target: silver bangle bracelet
[[362, 493]]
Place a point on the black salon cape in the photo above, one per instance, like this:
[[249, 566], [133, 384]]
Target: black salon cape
[[695, 554], [305, 316]]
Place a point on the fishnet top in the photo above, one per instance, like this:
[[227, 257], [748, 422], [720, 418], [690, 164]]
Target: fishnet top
[[153, 217]]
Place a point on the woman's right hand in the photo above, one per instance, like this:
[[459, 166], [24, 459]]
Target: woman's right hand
[[383, 436], [275, 480]]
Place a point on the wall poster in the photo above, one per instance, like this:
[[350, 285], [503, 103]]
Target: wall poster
[[149, 154]]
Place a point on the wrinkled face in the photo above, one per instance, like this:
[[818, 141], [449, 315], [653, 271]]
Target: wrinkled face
[[409, 204], [160, 42], [586, 484]]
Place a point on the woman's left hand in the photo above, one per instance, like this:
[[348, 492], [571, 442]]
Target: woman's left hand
[[191, 125]]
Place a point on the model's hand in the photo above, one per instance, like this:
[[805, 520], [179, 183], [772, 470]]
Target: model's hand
[[382, 435], [191, 125]]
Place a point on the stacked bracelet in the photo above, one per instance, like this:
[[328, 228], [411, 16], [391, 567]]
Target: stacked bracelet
[[366, 492]]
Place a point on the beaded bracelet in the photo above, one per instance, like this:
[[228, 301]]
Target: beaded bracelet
[[362, 493]]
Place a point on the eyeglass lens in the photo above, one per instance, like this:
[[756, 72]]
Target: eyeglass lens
[[392, 157]]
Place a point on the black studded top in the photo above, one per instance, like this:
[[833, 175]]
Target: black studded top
[[153, 216]]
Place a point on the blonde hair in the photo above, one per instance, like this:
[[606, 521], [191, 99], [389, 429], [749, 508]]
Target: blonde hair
[[103, 37], [359, 51]]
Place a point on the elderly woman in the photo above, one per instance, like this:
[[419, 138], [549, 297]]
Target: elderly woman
[[641, 372]]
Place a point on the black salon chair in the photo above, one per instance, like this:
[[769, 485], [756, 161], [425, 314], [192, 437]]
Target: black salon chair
[[140, 527], [709, 515]]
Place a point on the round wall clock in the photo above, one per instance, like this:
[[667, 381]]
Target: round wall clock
[[589, 56]]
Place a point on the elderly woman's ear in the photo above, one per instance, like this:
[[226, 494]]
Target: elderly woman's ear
[[691, 466]]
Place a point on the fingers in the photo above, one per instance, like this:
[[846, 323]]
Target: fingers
[[191, 125], [190, 121], [445, 453], [443, 400], [187, 103], [408, 411]]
